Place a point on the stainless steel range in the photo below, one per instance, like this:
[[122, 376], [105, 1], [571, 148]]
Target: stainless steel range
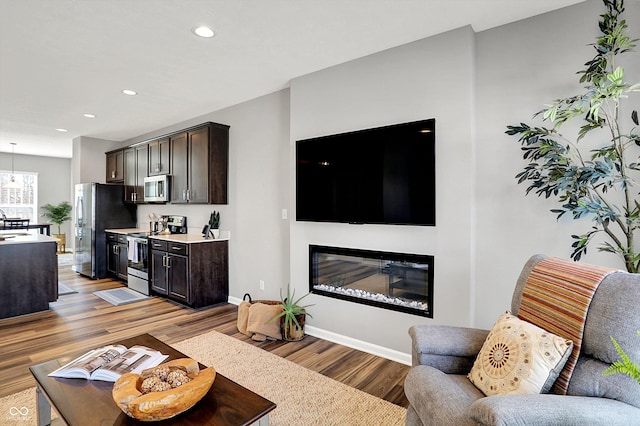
[[138, 264], [138, 254]]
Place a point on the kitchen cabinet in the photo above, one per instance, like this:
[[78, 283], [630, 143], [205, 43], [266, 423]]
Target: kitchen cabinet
[[158, 271], [117, 255], [115, 166], [179, 165], [193, 274], [196, 158], [136, 165], [159, 160], [199, 165]]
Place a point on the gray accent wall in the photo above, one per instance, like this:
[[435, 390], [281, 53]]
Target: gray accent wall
[[430, 78]]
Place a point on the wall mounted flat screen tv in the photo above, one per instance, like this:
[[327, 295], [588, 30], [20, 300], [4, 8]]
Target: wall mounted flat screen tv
[[384, 175]]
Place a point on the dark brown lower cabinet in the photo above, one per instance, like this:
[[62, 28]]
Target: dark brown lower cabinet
[[117, 261], [195, 274]]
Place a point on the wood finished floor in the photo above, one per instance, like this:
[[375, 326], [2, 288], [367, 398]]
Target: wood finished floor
[[81, 321]]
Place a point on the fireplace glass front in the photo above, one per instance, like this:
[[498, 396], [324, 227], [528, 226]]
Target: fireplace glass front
[[396, 281]]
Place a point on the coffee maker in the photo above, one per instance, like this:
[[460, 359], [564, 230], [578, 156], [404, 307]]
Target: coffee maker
[[177, 224]]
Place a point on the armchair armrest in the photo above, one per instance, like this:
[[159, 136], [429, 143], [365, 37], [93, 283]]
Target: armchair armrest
[[547, 409], [449, 349]]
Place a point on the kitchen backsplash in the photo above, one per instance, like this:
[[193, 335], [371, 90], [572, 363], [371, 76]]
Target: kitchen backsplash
[[197, 215]]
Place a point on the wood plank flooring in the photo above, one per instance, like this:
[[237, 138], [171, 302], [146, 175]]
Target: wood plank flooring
[[81, 321]]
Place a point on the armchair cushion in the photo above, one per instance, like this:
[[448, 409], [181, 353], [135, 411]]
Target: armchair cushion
[[547, 409], [445, 400], [448, 348], [519, 357], [614, 312]]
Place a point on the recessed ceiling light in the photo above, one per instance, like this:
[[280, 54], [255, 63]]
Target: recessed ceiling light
[[203, 31], [61, 130], [129, 92], [89, 115]]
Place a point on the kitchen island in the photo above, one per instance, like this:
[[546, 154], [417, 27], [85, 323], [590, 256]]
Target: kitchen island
[[28, 273]]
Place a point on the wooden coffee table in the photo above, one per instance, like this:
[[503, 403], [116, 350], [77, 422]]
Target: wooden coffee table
[[85, 402]]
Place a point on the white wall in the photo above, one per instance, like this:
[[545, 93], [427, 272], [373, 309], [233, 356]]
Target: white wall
[[54, 182], [521, 67], [89, 161], [258, 191], [430, 78]]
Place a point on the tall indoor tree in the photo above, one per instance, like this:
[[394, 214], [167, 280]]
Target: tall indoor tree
[[601, 183]]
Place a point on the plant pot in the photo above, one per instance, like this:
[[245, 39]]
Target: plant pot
[[62, 242], [292, 332], [216, 233]]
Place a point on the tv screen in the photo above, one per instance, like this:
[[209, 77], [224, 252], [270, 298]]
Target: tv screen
[[384, 175]]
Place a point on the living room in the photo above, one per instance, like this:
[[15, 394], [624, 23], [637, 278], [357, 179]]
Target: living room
[[474, 84]]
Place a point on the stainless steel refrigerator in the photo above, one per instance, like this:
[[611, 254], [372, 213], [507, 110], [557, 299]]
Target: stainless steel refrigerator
[[98, 207]]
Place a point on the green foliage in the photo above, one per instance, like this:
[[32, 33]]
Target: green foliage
[[290, 308], [601, 185], [624, 365], [57, 214]]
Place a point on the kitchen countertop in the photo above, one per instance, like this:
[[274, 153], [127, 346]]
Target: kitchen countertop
[[178, 238], [187, 238], [22, 237], [126, 231]]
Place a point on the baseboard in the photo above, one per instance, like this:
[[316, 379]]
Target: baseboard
[[381, 351]]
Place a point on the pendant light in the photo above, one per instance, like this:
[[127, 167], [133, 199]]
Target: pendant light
[[12, 182]]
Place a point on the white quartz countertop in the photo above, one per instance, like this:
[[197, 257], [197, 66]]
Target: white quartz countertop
[[178, 238], [22, 237], [126, 231], [187, 238]]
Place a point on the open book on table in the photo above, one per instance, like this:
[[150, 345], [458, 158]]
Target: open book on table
[[108, 363]]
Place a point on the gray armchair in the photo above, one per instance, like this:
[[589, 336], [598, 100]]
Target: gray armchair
[[439, 392]]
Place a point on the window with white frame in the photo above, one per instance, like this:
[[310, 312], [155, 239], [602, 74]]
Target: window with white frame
[[19, 202]]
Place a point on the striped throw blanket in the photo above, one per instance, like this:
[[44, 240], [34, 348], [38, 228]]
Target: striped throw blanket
[[556, 297]]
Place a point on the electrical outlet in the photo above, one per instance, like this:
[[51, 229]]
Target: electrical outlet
[[284, 213], [261, 285]]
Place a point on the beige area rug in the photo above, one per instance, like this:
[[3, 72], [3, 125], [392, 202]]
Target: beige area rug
[[304, 397]]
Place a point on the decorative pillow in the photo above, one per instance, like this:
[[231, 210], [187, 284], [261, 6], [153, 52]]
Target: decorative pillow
[[519, 358]]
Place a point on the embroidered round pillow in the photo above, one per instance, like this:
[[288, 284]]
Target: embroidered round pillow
[[518, 357]]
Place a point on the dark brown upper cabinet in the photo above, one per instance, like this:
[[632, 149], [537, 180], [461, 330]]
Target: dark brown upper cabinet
[[136, 165], [159, 159], [197, 159], [199, 165], [115, 166]]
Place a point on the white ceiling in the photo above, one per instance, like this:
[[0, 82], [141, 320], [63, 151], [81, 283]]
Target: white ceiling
[[60, 59]]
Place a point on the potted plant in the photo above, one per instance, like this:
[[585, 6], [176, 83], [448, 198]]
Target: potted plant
[[603, 182], [58, 214], [214, 223], [292, 317]]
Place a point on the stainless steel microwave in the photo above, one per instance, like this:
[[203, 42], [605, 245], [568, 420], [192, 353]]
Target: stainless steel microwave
[[156, 189]]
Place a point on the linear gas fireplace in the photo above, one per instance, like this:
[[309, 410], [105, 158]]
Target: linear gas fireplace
[[397, 281]]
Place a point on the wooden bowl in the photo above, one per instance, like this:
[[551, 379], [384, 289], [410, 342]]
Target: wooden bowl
[[154, 406]]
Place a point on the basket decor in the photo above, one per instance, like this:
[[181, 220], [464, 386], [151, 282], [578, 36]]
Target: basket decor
[[293, 333], [253, 318]]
